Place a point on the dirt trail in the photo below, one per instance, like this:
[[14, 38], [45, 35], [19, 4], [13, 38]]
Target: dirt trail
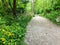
[[41, 31]]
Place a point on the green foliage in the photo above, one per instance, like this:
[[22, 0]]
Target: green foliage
[[21, 5], [28, 8], [40, 6], [53, 16], [12, 31], [24, 20], [7, 6], [49, 9]]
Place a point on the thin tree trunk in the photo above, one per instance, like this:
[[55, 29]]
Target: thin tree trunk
[[51, 3], [14, 8], [32, 6]]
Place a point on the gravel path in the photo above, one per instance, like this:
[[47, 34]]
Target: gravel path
[[41, 31]]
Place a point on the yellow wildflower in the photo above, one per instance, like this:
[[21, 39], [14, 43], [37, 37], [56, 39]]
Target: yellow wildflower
[[3, 30], [3, 42], [9, 34], [3, 39], [8, 43]]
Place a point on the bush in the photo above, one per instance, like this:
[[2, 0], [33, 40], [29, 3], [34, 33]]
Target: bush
[[53, 16], [12, 31]]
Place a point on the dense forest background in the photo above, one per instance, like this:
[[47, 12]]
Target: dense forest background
[[46, 8], [15, 15]]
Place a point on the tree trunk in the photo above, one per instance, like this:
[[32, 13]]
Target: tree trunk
[[14, 8], [51, 3], [32, 6]]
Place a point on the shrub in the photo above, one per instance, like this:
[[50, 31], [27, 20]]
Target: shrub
[[12, 31], [53, 16]]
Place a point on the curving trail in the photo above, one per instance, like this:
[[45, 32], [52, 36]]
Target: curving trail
[[41, 31]]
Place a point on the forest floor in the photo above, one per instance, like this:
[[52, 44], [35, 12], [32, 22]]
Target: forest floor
[[41, 31]]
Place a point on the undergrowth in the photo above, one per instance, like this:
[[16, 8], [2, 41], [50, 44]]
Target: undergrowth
[[12, 31]]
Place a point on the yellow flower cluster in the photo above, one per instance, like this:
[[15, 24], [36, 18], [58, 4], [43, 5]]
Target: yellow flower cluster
[[3, 39], [7, 33]]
